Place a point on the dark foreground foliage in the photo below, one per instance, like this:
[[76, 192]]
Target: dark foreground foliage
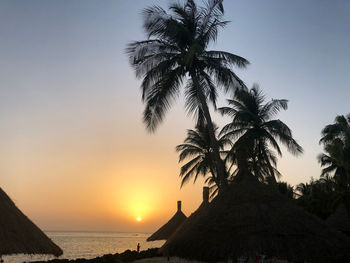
[[126, 256]]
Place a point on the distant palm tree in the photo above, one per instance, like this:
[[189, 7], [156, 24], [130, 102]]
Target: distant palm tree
[[198, 152], [253, 129], [286, 189], [304, 189], [176, 51], [319, 197], [322, 198], [336, 141]]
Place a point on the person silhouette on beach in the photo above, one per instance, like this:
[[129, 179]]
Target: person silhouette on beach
[[138, 247]]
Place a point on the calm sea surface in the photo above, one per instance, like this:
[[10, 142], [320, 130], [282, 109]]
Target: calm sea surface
[[90, 245]]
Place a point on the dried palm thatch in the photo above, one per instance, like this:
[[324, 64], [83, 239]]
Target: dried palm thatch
[[340, 220], [251, 218], [192, 219], [170, 227], [19, 235]]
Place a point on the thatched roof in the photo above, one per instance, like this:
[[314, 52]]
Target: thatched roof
[[192, 219], [340, 220], [170, 227], [20, 235], [251, 218]]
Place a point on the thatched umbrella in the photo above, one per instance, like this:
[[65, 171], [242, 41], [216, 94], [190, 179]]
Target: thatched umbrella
[[192, 219], [19, 235], [170, 227], [340, 220], [251, 218], [202, 208]]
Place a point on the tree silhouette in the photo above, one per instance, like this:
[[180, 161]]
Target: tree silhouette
[[198, 152], [176, 52], [336, 141], [253, 129], [336, 161]]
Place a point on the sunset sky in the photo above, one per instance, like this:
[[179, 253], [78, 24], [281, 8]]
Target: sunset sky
[[74, 152]]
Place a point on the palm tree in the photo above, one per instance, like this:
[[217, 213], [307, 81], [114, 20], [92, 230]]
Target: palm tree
[[257, 164], [336, 141], [254, 130], [198, 151], [286, 189], [176, 51], [340, 130], [336, 160], [335, 163], [321, 197], [304, 189]]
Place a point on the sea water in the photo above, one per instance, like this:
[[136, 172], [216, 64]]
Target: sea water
[[90, 245]]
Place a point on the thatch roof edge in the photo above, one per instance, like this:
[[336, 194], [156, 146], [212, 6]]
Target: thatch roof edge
[[19, 235]]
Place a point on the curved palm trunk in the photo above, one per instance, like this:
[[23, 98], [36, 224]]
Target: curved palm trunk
[[272, 173], [214, 176], [242, 164], [219, 162], [260, 152]]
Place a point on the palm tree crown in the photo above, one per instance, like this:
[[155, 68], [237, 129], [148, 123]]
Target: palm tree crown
[[253, 129], [336, 141], [177, 49], [198, 152], [177, 46]]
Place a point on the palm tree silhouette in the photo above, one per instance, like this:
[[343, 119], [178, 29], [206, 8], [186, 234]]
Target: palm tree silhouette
[[336, 141], [176, 51], [286, 189], [198, 151], [336, 161], [304, 189], [320, 197], [253, 129]]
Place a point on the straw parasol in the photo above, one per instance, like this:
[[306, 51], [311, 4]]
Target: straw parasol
[[19, 235], [251, 218], [170, 227], [192, 219], [340, 219], [202, 208]]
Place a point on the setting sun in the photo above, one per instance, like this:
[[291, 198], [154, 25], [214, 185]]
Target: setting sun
[[139, 219]]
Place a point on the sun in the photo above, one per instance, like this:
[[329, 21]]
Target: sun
[[139, 219]]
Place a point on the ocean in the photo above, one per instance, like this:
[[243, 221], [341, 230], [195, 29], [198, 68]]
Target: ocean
[[90, 245]]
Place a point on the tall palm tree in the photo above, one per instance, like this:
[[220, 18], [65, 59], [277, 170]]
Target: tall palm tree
[[336, 160], [336, 141], [175, 52], [253, 128], [198, 152]]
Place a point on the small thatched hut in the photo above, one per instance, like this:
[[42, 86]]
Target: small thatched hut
[[19, 235], [252, 218], [170, 227], [340, 220]]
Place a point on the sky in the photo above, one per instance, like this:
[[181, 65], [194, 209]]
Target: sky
[[74, 152]]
